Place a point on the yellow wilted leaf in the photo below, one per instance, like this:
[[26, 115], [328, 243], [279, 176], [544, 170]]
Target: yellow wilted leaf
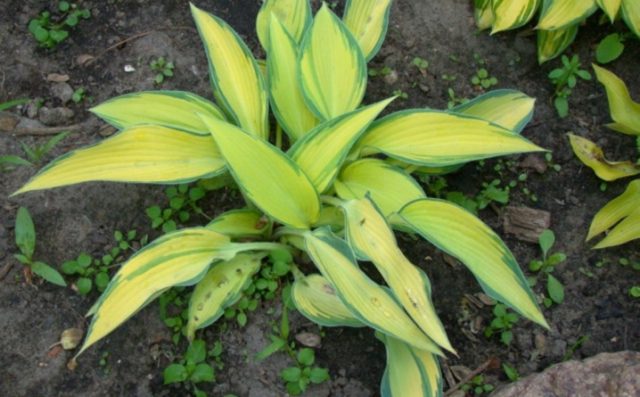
[[624, 111], [616, 210], [593, 157]]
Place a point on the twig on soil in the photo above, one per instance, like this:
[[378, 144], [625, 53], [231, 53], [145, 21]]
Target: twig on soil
[[5, 270], [492, 362], [87, 124], [132, 38]]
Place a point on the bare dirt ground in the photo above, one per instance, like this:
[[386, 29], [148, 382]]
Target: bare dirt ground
[[598, 315]]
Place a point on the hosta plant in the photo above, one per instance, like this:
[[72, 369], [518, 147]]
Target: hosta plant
[[622, 214], [558, 20], [333, 189]]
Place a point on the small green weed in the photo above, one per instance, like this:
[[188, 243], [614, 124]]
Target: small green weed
[[421, 64], [35, 154], [548, 157], [193, 368], [300, 376], [503, 321], [511, 372], [92, 272], [51, 29], [454, 100], [79, 95], [183, 201], [162, 68], [610, 48], [26, 242], [12, 103], [174, 311], [477, 386], [482, 79], [380, 72], [564, 80], [545, 266], [400, 94]]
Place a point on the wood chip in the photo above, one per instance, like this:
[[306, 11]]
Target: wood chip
[[525, 223], [57, 77], [85, 59], [308, 339]]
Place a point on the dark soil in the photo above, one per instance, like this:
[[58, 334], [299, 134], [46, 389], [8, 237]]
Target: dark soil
[[83, 218]]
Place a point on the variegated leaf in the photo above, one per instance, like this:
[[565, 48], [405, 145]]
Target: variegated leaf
[[267, 176], [333, 70], [512, 14], [552, 43], [462, 235], [237, 81], [295, 15], [368, 20], [149, 154], [321, 152], [558, 14], [510, 109], [172, 109]]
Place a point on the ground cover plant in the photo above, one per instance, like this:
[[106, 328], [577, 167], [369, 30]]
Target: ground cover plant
[[558, 20], [322, 197]]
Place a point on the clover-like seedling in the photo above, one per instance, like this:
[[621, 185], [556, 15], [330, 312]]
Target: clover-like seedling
[[300, 376], [163, 69], [193, 368], [545, 266]]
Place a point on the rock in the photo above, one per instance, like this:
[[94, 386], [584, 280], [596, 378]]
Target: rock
[[391, 78], [28, 124], [8, 121], [57, 77], [607, 374], [526, 223], [308, 339], [62, 91], [54, 116]]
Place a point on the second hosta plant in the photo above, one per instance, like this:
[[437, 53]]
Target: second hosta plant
[[335, 193]]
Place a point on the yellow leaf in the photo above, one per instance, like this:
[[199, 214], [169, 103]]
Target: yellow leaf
[[512, 14], [147, 153], [591, 155], [552, 43], [616, 210], [242, 223], [316, 299], [610, 7], [435, 139], [402, 376], [558, 14], [628, 229], [234, 74], [388, 187], [371, 303], [220, 288], [368, 20], [333, 70], [373, 240], [483, 14], [172, 109], [624, 111], [267, 176], [287, 101], [631, 15], [462, 235], [510, 109], [179, 258], [321, 152], [295, 16]]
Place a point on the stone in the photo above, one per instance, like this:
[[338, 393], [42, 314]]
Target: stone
[[54, 116], [62, 91], [607, 374], [8, 121]]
